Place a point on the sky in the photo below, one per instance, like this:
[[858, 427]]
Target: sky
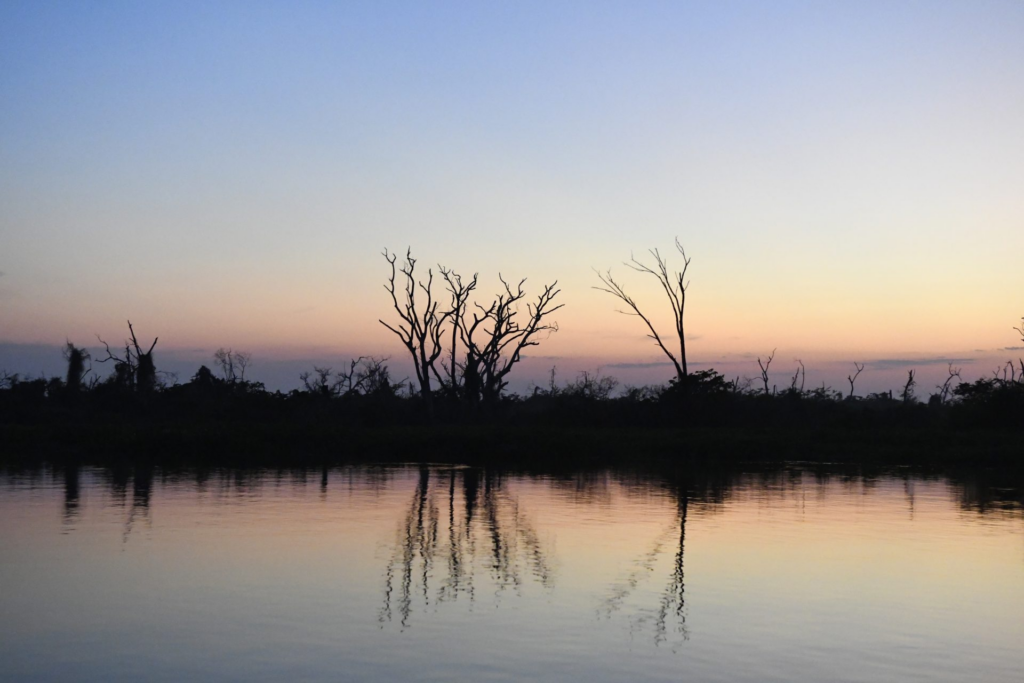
[[846, 177]]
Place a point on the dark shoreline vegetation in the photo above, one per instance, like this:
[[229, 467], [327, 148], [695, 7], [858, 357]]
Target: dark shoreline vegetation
[[214, 421], [457, 409]]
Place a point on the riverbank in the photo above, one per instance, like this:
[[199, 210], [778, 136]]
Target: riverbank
[[244, 443]]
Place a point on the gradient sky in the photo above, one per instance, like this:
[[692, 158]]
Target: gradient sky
[[848, 177]]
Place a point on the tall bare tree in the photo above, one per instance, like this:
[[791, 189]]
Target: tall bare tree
[[460, 293], [764, 369], [495, 338], [422, 323], [674, 284]]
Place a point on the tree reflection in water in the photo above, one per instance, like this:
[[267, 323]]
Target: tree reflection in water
[[463, 530], [669, 617], [487, 539], [72, 493]]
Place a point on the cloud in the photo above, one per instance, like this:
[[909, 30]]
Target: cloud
[[659, 364], [639, 366], [899, 363], [1013, 348]]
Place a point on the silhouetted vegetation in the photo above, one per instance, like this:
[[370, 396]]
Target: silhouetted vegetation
[[135, 371], [76, 358], [459, 403], [492, 337], [675, 285]]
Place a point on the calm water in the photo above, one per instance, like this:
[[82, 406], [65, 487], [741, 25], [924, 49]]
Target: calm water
[[442, 573]]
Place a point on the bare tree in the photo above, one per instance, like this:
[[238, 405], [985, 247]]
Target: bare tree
[[495, 339], [460, 293], [946, 387], [422, 324], [764, 369], [319, 381], [233, 364], [853, 378], [674, 284], [907, 395], [366, 376], [134, 370], [1008, 371], [800, 374]]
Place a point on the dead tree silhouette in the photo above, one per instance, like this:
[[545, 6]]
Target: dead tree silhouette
[[233, 364], [460, 293], [907, 395], [495, 340], [422, 324], [674, 285], [853, 378], [764, 369], [493, 337], [135, 370], [800, 374], [366, 376], [946, 387]]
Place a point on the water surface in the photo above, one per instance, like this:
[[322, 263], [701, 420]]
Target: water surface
[[454, 573]]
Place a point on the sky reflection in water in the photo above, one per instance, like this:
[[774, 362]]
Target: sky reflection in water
[[452, 573]]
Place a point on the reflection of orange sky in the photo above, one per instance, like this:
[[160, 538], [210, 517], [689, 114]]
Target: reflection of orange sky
[[850, 532], [834, 549]]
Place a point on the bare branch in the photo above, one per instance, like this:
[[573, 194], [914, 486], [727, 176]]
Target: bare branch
[[764, 369], [853, 378], [674, 284]]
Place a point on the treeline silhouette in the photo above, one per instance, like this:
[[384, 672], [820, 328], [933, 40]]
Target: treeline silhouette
[[463, 352], [223, 410]]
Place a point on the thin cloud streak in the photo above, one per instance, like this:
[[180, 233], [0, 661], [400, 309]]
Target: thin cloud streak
[[897, 363]]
